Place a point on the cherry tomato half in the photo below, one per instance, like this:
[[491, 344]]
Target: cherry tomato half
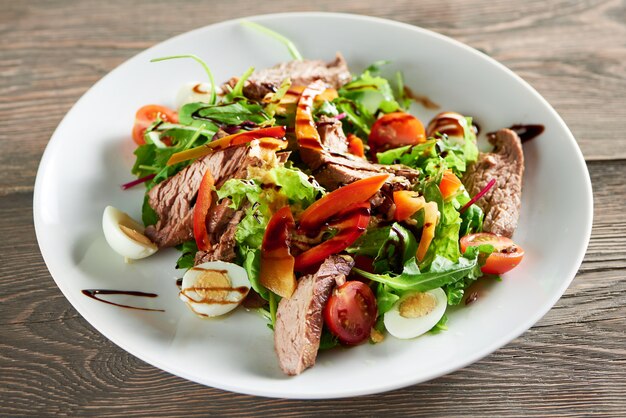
[[395, 130], [506, 256], [351, 312], [148, 114]]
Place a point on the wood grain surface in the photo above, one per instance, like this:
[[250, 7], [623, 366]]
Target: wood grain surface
[[572, 363]]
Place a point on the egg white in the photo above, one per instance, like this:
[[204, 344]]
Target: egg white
[[121, 242], [405, 328], [237, 276]]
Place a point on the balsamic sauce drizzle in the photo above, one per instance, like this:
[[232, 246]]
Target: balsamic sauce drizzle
[[93, 294]]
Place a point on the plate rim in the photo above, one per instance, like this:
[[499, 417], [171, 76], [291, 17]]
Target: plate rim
[[370, 389]]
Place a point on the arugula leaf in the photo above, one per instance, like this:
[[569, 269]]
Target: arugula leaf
[[390, 246], [290, 46], [358, 120], [442, 272], [471, 218], [186, 259], [252, 264], [231, 114], [385, 298], [237, 91], [148, 215]]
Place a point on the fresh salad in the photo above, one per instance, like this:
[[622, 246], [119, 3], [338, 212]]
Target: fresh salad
[[314, 197]]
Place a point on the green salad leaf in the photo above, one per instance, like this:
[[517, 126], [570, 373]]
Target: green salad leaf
[[390, 247], [442, 272], [186, 259]]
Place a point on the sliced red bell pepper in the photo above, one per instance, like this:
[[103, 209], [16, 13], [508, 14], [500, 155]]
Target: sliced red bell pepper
[[351, 224], [339, 200], [277, 263], [431, 217], [306, 131], [355, 146], [274, 136], [407, 203], [200, 211], [449, 185]]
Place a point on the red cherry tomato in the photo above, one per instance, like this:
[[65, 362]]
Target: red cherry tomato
[[148, 114], [505, 257], [395, 130], [351, 312]]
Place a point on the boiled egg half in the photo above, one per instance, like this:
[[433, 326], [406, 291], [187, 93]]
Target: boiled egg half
[[416, 313], [192, 93], [125, 235], [214, 288]]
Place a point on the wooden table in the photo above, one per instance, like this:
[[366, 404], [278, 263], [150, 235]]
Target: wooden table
[[573, 362]]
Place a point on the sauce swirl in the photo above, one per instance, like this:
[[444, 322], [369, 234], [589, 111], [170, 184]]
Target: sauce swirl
[[93, 294]]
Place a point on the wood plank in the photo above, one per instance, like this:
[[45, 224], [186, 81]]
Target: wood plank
[[574, 53], [572, 363]]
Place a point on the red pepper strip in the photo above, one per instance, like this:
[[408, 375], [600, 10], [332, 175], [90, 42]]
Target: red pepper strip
[[449, 185], [355, 146], [407, 203], [276, 260], [339, 200], [351, 224], [200, 211], [306, 131], [229, 141]]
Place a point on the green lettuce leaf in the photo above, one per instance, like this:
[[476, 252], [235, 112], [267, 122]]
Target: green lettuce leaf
[[442, 272], [186, 259]]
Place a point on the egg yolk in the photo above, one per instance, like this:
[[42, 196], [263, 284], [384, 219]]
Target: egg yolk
[[417, 305], [212, 285]]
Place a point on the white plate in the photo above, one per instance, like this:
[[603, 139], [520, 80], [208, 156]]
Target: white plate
[[90, 155]]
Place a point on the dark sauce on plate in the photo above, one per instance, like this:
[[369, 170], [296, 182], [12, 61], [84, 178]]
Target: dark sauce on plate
[[94, 293]]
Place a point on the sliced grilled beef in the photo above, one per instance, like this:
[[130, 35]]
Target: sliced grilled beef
[[333, 167], [502, 203], [301, 73], [224, 247], [331, 134], [174, 198], [299, 320]]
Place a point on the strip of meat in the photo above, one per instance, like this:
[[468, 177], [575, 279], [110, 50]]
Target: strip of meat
[[332, 135], [506, 164], [224, 249], [334, 167], [301, 73], [173, 199], [299, 319]]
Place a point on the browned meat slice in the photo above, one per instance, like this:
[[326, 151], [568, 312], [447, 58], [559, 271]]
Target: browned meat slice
[[299, 320], [331, 134], [224, 247], [502, 203], [333, 171], [219, 216], [174, 198], [301, 73], [334, 167]]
